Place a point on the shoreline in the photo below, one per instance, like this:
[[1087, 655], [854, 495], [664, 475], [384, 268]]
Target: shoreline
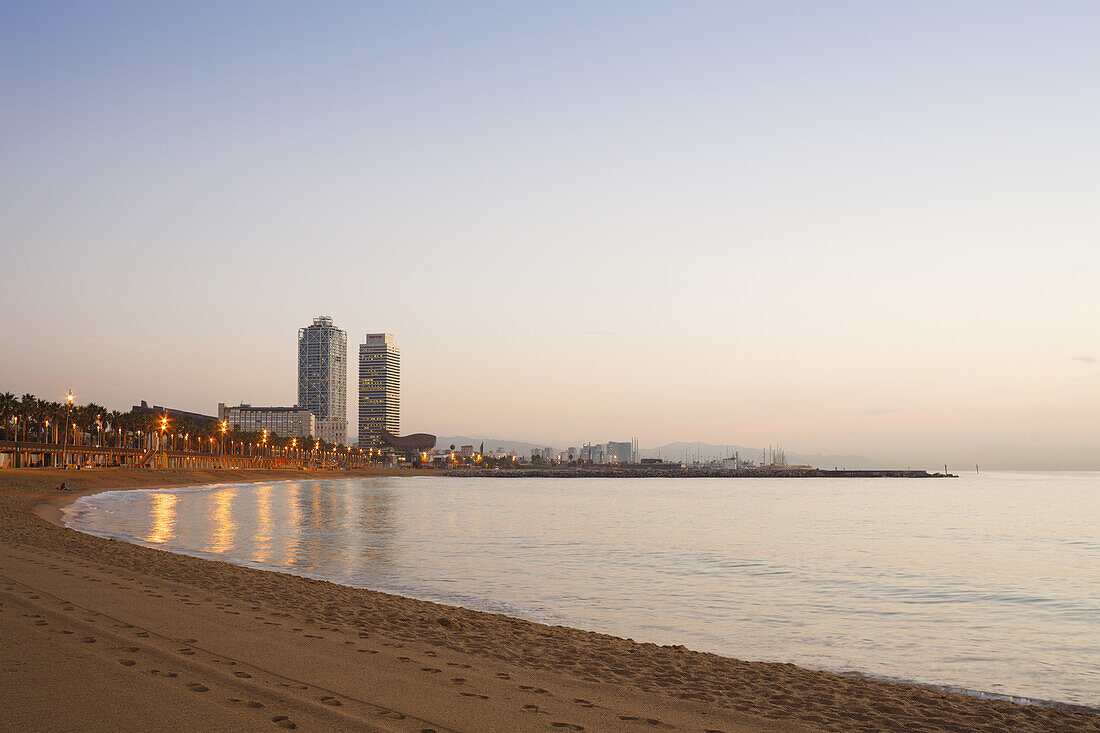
[[661, 679], [67, 501]]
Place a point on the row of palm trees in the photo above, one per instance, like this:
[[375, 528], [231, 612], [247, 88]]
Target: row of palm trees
[[29, 419]]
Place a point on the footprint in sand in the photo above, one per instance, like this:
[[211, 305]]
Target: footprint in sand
[[474, 694], [569, 726], [394, 715], [188, 652], [329, 700], [197, 687], [284, 722], [459, 665], [246, 703], [127, 662], [650, 721], [242, 675], [584, 703], [504, 676], [88, 640], [536, 690], [430, 670], [531, 708], [458, 680]]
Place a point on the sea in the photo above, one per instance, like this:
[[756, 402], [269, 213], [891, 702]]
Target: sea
[[987, 584]]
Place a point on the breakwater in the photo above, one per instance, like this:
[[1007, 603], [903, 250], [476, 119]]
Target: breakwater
[[678, 472]]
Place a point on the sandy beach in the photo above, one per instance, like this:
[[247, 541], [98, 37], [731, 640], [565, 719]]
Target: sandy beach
[[102, 635]]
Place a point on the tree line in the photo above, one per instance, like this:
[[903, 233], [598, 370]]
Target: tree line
[[29, 419]]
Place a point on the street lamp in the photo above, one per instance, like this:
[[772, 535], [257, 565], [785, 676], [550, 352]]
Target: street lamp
[[65, 441]]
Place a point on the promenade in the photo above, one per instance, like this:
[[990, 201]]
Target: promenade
[[19, 454]]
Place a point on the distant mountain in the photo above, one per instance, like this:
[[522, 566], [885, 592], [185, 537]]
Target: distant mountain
[[681, 451], [689, 452]]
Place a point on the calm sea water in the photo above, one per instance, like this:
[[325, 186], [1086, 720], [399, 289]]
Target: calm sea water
[[986, 583]]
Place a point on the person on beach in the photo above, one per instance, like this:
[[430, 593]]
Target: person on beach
[[63, 487]]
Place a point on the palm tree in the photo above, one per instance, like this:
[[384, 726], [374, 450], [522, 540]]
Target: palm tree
[[96, 415], [26, 411], [41, 416], [8, 406], [114, 418], [56, 414]]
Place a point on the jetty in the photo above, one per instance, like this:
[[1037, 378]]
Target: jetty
[[648, 471]]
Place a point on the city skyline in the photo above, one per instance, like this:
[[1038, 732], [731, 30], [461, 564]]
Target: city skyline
[[850, 229]]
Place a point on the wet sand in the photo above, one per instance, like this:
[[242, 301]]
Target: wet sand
[[102, 635]]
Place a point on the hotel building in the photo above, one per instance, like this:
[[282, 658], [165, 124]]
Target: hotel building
[[379, 388], [288, 422], [323, 378]]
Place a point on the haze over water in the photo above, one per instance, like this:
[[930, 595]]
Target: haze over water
[[989, 583]]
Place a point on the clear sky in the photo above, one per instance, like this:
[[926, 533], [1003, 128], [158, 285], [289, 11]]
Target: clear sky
[[843, 227]]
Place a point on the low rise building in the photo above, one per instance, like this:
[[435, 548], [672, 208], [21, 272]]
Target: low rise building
[[287, 422]]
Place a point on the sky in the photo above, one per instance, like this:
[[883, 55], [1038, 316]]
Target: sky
[[848, 227]]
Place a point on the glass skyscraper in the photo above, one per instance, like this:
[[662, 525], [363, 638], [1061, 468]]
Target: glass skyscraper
[[323, 378], [379, 388]]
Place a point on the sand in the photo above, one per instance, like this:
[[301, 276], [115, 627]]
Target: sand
[[99, 635]]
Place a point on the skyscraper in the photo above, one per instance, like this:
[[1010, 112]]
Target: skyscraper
[[323, 377], [379, 388]]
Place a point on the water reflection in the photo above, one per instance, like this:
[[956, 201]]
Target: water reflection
[[292, 526], [371, 529], [225, 525], [341, 527], [261, 549], [164, 518]]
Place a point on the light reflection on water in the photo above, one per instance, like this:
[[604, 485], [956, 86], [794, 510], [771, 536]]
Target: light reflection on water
[[986, 582], [164, 518], [224, 528]]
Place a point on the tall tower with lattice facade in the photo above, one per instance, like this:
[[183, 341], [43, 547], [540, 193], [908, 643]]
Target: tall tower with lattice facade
[[323, 377]]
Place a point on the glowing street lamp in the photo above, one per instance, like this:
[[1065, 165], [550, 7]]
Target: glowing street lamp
[[65, 441]]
